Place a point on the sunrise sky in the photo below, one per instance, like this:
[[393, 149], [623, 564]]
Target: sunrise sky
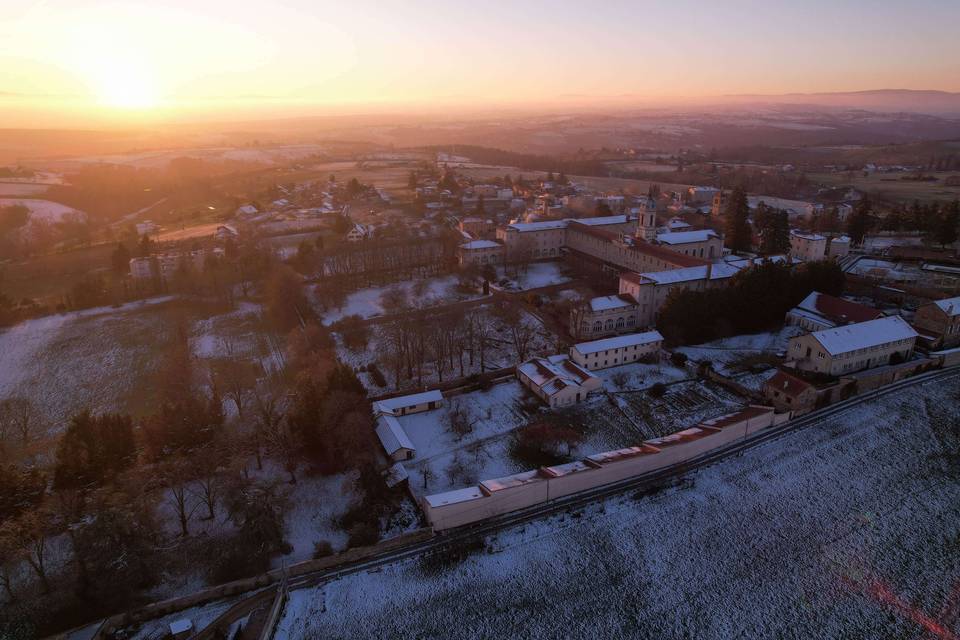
[[68, 62]]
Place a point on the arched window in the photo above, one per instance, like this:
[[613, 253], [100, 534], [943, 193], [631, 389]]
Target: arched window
[[608, 324], [597, 326], [619, 323]]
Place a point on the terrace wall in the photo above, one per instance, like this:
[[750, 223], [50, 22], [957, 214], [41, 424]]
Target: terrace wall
[[549, 483]]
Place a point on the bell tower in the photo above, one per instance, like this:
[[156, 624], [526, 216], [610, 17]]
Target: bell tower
[[647, 223]]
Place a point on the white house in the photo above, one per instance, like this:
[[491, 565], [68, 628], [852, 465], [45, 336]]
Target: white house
[[356, 233], [413, 403], [604, 316], [610, 352], [838, 247], [705, 243], [556, 380], [853, 347], [480, 252], [394, 439], [807, 246]]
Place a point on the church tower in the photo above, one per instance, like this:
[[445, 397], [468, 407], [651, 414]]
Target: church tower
[[647, 224]]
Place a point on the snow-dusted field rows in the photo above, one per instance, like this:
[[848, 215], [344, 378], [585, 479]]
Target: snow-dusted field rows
[[847, 529]]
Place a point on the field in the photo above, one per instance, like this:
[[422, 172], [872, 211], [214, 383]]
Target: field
[[591, 182], [847, 529], [888, 186], [99, 358]]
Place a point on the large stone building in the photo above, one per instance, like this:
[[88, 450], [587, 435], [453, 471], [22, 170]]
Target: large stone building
[[853, 347], [940, 320], [604, 316], [705, 243]]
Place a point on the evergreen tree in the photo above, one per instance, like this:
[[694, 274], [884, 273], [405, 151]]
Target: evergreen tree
[[736, 223], [859, 222], [92, 449], [480, 208], [120, 259], [947, 225]]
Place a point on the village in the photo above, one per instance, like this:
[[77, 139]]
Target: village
[[510, 337]]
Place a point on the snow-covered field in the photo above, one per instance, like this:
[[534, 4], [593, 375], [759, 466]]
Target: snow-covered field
[[683, 405], [92, 358], [537, 274], [848, 529], [421, 294], [43, 210], [22, 189]]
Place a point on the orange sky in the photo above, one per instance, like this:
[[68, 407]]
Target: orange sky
[[82, 62]]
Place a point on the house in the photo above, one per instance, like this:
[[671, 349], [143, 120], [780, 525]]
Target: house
[[182, 628], [603, 316], [246, 210], [394, 439], [787, 392], [480, 252], [822, 311], [141, 268], [357, 233], [701, 195], [853, 347], [610, 352], [941, 321], [808, 247], [146, 228], [405, 405], [226, 232], [556, 380]]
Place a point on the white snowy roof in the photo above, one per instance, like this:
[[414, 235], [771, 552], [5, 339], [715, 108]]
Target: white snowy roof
[[806, 236], [686, 237], [180, 626], [602, 220], [950, 306], [454, 497], [863, 335], [392, 436], [538, 226], [554, 373], [391, 404], [605, 303], [619, 341], [480, 244], [719, 271]]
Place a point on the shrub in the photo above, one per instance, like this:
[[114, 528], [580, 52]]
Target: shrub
[[658, 390], [322, 549], [363, 534], [678, 358], [376, 375]]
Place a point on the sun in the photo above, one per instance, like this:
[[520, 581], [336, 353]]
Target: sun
[[122, 85]]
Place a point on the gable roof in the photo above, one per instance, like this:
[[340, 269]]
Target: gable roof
[[950, 306], [619, 341], [863, 335], [837, 310], [788, 384], [392, 404], [392, 436], [686, 237]]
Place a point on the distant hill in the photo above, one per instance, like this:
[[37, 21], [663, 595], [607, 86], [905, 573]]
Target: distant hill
[[886, 100]]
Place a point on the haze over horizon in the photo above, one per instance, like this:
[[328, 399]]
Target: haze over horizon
[[92, 62]]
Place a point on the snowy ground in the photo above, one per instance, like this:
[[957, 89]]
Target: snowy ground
[[537, 274], [727, 353], [43, 210], [683, 405], [500, 353], [847, 529], [421, 294]]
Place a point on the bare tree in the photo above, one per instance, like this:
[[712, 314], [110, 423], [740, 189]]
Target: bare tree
[[19, 417], [30, 539], [270, 409], [174, 478], [235, 377]]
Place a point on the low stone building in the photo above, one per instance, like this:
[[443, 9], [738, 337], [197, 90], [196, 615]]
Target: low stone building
[[556, 380], [705, 243], [405, 405], [612, 352], [789, 393], [480, 252], [822, 311], [940, 321], [604, 316]]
